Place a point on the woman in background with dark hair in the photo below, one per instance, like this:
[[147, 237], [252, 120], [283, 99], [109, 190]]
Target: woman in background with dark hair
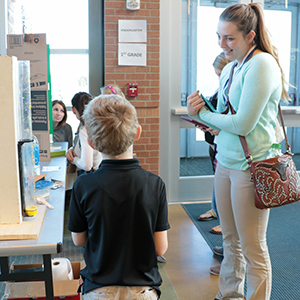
[[82, 155], [62, 131]]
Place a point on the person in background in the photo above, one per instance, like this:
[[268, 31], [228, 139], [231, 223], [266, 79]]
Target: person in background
[[210, 137], [82, 155], [256, 89], [62, 131], [119, 213], [112, 89], [219, 63]]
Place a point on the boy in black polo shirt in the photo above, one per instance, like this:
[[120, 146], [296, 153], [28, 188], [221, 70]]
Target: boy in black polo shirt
[[119, 212]]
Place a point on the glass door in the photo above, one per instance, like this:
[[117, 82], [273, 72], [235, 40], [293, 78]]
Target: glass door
[[188, 170]]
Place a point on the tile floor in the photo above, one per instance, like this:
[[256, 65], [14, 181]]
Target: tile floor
[[188, 260]]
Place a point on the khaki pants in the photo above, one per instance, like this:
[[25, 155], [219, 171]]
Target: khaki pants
[[244, 237], [122, 293]]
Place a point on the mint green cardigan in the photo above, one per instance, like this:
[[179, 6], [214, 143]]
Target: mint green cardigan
[[254, 94]]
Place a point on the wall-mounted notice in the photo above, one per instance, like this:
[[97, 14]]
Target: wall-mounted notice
[[132, 31], [34, 49], [132, 55]]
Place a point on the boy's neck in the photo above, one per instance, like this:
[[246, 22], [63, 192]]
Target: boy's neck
[[128, 154]]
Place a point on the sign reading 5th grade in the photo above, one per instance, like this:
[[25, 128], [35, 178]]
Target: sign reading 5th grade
[[132, 55]]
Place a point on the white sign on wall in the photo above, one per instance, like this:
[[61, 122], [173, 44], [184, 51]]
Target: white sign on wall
[[132, 55], [132, 31]]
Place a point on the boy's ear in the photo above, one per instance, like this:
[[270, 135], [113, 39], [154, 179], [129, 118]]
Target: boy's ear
[[90, 143], [138, 133]]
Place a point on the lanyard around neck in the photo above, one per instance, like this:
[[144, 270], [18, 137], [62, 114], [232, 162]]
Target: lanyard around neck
[[247, 56]]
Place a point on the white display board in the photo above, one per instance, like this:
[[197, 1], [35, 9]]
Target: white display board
[[10, 200]]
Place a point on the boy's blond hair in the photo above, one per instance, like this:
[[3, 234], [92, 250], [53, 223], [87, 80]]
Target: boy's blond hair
[[111, 124]]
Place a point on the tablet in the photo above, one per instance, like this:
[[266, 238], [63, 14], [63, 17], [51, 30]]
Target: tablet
[[208, 104], [197, 123]]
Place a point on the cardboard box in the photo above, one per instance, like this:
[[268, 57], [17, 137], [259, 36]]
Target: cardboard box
[[36, 289], [34, 49]]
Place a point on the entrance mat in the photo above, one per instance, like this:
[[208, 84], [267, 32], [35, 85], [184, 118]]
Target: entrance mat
[[283, 238]]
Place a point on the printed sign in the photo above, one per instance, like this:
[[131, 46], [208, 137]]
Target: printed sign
[[39, 110], [132, 55], [132, 31]]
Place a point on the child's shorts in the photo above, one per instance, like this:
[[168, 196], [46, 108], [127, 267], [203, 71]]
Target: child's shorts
[[122, 293]]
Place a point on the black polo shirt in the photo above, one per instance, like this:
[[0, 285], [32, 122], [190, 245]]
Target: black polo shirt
[[120, 206]]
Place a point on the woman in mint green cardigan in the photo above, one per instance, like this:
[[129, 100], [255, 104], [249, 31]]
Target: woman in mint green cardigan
[[256, 89]]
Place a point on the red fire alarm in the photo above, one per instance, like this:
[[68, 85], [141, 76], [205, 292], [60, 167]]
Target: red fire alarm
[[133, 89]]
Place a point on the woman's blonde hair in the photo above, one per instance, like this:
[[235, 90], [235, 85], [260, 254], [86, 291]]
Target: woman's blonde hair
[[220, 61], [111, 123], [112, 89], [249, 17]]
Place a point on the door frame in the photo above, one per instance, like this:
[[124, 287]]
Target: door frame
[[179, 189]]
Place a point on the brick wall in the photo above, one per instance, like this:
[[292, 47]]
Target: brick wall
[[147, 101]]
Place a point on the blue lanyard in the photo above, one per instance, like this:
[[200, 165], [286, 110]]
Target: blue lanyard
[[212, 97], [224, 94]]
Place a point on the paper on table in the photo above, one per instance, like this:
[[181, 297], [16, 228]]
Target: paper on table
[[55, 148], [50, 169]]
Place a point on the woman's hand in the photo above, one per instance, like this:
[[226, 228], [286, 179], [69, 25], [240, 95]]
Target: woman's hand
[[213, 131], [70, 155], [210, 130], [194, 103]]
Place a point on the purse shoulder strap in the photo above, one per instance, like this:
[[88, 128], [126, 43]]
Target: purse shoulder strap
[[242, 138], [288, 147]]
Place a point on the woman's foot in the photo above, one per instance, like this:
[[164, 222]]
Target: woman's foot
[[215, 270], [161, 259], [209, 215], [216, 230], [218, 250]]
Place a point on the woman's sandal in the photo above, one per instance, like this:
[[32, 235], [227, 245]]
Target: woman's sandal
[[209, 215], [216, 230]]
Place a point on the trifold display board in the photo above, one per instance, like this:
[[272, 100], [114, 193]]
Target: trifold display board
[[10, 199], [34, 48]]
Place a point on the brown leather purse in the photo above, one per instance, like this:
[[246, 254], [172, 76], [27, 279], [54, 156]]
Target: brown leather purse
[[276, 181]]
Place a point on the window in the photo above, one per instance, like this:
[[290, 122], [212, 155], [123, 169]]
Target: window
[[66, 26]]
